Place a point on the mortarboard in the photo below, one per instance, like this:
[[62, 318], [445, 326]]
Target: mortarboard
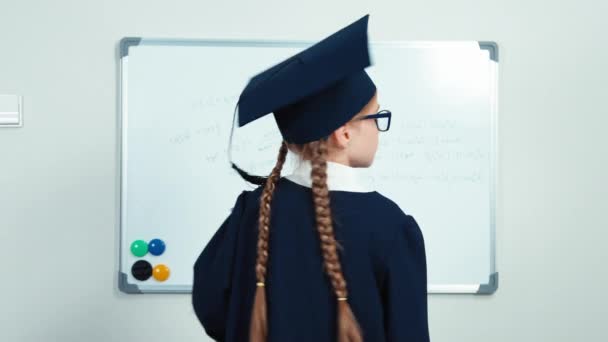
[[314, 92]]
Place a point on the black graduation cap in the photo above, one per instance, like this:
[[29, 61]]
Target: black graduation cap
[[314, 92]]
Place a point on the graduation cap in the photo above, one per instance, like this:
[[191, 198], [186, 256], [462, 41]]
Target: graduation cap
[[314, 92]]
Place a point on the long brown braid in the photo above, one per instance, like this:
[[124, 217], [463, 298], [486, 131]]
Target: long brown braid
[[258, 330], [348, 328]]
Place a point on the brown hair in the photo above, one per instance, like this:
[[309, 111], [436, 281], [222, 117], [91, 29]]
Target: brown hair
[[348, 329]]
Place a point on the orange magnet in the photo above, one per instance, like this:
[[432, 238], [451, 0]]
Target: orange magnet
[[161, 272]]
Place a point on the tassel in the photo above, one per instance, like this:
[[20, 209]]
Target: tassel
[[258, 180]]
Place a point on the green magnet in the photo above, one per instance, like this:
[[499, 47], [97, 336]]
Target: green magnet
[[139, 248]]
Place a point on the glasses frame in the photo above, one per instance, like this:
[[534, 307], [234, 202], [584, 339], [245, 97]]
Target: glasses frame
[[385, 113]]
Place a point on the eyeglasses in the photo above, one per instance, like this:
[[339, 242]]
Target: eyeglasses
[[382, 118]]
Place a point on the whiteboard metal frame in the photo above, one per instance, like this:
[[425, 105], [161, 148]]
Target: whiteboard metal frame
[[127, 42]]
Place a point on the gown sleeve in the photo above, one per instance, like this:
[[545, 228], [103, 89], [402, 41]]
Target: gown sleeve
[[405, 286], [213, 273]]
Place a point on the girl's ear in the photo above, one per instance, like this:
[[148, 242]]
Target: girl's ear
[[341, 137]]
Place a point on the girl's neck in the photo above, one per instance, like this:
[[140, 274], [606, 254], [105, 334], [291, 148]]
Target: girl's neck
[[340, 177]]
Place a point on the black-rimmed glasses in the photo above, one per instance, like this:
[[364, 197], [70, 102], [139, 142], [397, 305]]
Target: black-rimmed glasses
[[382, 118]]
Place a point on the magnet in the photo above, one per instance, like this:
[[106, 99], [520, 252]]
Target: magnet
[[141, 270], [139, 248], [161, 272], [156, 247]]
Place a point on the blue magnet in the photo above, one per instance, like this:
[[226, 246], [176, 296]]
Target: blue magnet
[[156, 247]]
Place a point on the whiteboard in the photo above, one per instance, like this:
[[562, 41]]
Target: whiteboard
[[437, 162]]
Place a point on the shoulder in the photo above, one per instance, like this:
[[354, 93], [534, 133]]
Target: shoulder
[[249, 195], [392, 209], [389, 206], [405, 223], [241, 205], [398, 229]]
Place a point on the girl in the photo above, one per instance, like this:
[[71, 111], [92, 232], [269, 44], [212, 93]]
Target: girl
[[315, 255]]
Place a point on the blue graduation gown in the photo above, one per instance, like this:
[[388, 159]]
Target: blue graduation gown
[[383, 260]]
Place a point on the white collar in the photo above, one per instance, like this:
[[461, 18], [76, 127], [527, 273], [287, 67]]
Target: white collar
[[339, 176]]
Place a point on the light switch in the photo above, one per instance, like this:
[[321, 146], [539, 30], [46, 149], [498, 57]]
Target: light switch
[[10, 111]]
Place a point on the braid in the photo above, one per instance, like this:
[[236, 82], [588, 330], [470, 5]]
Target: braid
[[264, 216], [258, 327], [348, 328], [320, 193]]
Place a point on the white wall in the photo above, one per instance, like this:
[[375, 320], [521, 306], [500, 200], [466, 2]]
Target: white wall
[[58, 173]]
